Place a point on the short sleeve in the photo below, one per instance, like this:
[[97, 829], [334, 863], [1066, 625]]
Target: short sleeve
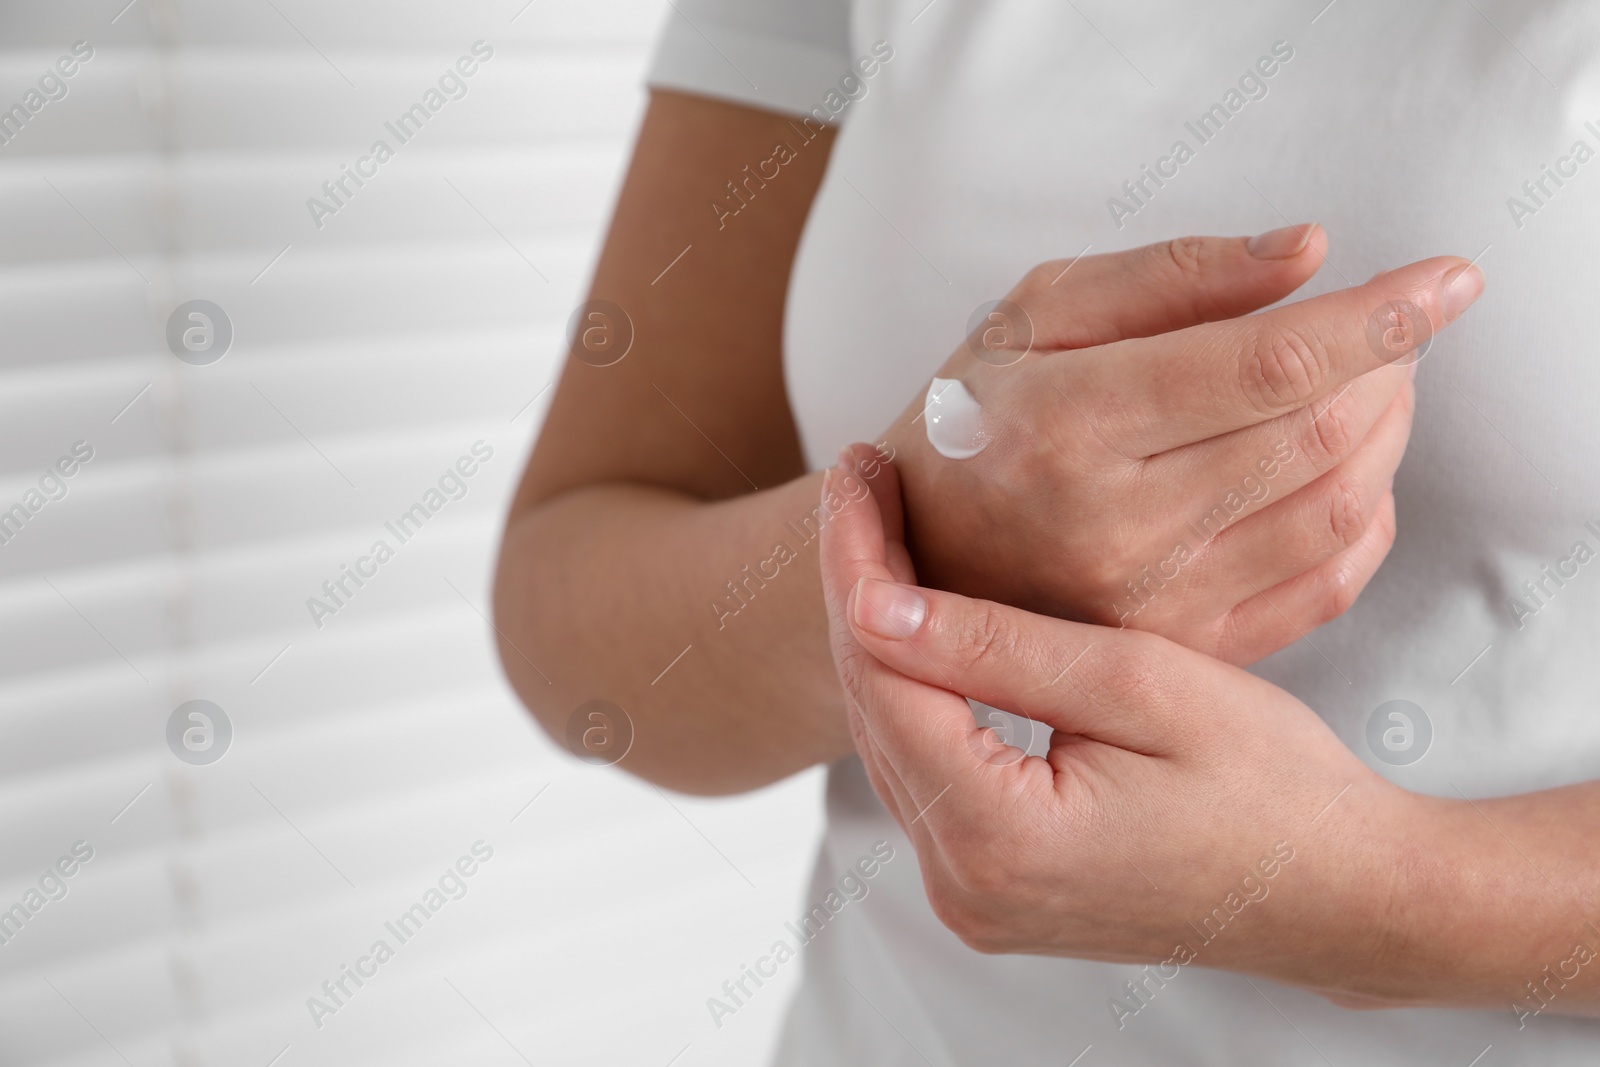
[[782, 55]]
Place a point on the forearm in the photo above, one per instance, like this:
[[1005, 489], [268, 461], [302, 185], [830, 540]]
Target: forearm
[[702, 621], [1505, 916], [621, 544], [1445, 902]]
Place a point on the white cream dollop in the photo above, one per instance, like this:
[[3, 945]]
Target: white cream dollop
[[954, 420]]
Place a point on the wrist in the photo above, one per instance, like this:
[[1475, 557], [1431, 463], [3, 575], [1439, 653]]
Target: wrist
[[1416, 894], [1357, 916], [1499, 904], [1431, 904]]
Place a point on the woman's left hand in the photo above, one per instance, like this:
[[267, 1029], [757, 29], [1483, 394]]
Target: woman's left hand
[[1181, 797]]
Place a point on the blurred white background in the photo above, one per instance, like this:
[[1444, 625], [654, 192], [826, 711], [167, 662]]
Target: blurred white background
[[371, 752]]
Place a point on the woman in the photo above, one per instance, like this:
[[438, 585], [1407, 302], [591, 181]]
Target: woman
[[1151, 481]]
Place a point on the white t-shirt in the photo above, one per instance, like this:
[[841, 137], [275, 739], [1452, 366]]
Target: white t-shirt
[[1000, 133]]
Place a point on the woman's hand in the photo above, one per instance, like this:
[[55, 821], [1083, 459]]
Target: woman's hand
[[1153, 461], [1187, 811]]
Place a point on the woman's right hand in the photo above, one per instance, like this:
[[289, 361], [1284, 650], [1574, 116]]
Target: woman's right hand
[[1152, 459]]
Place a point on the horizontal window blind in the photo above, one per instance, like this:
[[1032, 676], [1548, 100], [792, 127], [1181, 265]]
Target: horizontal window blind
[[374, 744]]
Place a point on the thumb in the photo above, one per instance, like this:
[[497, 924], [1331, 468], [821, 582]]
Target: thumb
[[921, 737]]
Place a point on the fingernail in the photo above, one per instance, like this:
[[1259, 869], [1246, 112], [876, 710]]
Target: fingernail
[[1281, 244], [889, 610], [1458, 290]]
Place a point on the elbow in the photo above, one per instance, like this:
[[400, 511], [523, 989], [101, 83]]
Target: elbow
[[565, 667], [534, 646], [516, 587]]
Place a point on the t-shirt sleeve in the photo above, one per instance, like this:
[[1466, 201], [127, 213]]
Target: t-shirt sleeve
[[782, 55]]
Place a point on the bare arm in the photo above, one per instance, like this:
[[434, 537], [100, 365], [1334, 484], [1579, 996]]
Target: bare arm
[[1191, 814], [640, 501], [668, 486], [1498, 908]]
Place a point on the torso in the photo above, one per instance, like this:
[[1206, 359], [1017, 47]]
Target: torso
[[996, 138]]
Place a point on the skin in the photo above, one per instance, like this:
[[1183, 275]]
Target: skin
[[1122, 438], [1172, 781], [659, 478], [633, 531], [637, 533]]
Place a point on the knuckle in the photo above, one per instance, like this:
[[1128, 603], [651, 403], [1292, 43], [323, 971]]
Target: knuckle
[[1350, 579], [1125, 671], [1286, 369], [1333, 432], [1347, 518], [1338, 595], [1188, 255], [853, 664], [985, 637], [1342, 583]]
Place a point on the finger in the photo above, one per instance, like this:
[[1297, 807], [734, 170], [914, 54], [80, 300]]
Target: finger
[[1197, 383], [851, 542], [885, 783], [1262, 464], [852, 545], [900, 567], [1306, 527], [883, 478], [883, 482], [1106, 684], [1094, 300], [918, 732], [928, 738], [864, 462], [1275, 618]]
